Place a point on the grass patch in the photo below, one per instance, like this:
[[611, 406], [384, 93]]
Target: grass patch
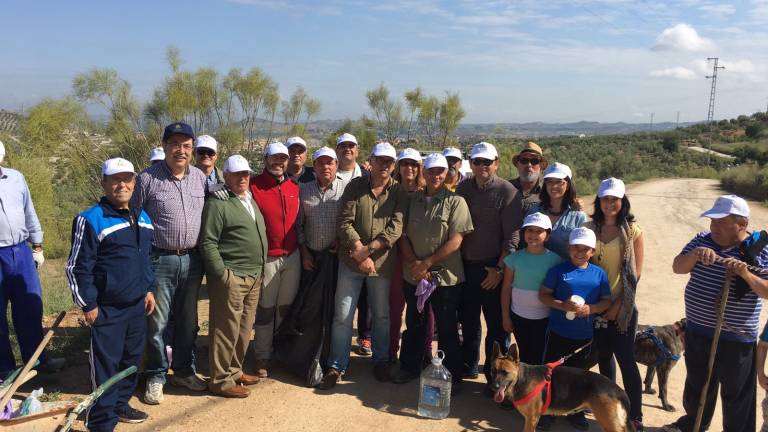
[[747, 180]]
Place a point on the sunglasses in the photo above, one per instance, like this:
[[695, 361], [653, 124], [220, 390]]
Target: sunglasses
[[409, 163], [525, 161], [205, 152], [483, 162]]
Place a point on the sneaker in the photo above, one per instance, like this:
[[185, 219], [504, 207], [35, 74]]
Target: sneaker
[[192, 382], [364, 347], [330, 379], [154, 393], [52, 365], [545, 423], [131, 415], [381, 372], [578, 421]]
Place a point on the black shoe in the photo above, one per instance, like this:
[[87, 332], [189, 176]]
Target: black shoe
[[545, 423], [381, 372], [131, 415], [578, 421], [403, 376], [332, 376]]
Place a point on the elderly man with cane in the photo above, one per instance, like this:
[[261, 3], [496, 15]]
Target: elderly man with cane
[[729, 275]]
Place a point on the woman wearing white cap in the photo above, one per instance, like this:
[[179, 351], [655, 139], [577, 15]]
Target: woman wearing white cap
[[619, 251], [408, 173], [559, 201], [522, 312]]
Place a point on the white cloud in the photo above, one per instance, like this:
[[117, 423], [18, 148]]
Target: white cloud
[[682, 37], [677, 72], [718, 9], [759, 10]]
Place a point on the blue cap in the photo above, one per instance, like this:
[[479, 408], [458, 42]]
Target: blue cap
[[178, 128]]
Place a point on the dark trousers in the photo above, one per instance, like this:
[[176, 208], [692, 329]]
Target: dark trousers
[[610, 342], [530, 335], [733, 373], [557, 346], [363, 315], [474, 299], [117, 342], [20, 286], [443, 302]]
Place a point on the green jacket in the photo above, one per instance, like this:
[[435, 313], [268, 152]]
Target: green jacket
[[231, 239]]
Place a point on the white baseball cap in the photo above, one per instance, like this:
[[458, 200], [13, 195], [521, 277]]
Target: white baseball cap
[[236, 163], [582, 236], [538, 220], [207, 141], [346, 137], [2, 151], [435, 160], [323, 151], [483, 150], [727, 205], [384, 149], [156, 154], [409, 153], [558, 170], [116, 166], [296, 140], [611, 187], [452, 152], [276, 148]]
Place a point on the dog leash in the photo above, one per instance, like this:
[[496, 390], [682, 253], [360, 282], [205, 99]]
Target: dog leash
[[651, 333], [547, 383]]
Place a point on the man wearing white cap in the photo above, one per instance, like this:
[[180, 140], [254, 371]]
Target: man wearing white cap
[[278, 198], [496, 209], [369, 223], [297, 152], [455, 159], [156, 155], [347, 151], [112, 281], [19, 283], [233, 244], [206, 154], [728, 246]]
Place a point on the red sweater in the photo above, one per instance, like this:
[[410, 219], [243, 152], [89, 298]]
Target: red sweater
[[279, 204]]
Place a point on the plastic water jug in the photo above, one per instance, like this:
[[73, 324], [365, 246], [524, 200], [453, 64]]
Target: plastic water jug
[[435, 390]]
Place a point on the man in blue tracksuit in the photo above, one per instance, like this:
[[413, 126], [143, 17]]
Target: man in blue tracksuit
[[111, 279]]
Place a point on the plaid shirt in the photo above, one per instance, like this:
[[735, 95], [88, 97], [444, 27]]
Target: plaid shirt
[[316, 226], [175, 206]]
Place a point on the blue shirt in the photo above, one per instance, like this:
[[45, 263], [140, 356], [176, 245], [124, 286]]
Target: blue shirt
[[561, 230], [703, 292], [18, 220], [566, 280]]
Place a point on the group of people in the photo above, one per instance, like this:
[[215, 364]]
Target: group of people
[[413, 233]]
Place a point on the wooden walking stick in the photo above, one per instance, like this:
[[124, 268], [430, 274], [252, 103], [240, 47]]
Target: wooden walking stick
[[713, 350], [31, 362]]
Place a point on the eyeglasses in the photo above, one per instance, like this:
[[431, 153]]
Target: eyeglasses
[[205, 152], [409, 163], [385, 161], [345, 146], [483, 162], [525, 161]]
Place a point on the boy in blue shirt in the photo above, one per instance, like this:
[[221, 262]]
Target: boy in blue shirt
[[574, 290]]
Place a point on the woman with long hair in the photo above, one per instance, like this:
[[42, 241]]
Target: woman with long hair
[[619, 252]]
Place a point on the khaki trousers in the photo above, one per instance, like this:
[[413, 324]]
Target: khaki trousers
[[233, 303]]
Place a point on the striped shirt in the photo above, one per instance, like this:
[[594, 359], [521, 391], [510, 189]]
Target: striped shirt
[[316, 226], [703, 291], [174, 205]]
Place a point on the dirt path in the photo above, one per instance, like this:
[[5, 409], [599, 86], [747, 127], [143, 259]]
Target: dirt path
[[668, 210]]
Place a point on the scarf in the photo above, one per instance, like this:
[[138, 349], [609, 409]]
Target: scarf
[[628, 280]]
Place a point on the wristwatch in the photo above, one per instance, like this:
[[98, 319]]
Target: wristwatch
[[371, 250], [498, 269]]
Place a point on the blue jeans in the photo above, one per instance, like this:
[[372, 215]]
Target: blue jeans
[[610, 342], [347, 292], [178, 285]]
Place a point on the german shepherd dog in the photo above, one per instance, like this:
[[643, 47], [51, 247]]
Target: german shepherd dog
[[573, 390], [649, 354]]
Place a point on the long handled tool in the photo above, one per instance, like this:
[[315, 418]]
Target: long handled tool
[[713, 350], [31, 362]]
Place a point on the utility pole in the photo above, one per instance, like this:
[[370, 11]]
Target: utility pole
[[711, 111], [677, 121], [651, 125]]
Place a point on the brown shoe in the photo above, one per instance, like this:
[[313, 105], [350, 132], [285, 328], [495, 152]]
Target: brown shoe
[[330, 379], [261, 368], [235, 392], [246, 379]]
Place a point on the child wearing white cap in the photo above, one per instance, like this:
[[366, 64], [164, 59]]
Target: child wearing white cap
[[575, 290], [619, 251], [522, 312]]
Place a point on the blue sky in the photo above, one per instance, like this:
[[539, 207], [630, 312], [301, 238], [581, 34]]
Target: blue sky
[[511, 61]]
